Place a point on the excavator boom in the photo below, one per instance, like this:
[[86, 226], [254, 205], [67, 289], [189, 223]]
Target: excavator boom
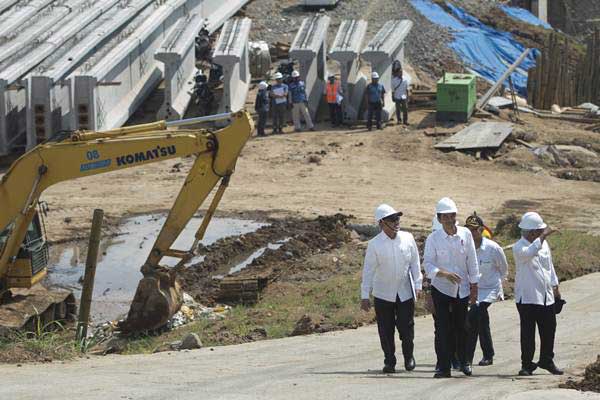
[[89, 153]]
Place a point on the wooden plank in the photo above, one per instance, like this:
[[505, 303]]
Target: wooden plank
[[480, 135]]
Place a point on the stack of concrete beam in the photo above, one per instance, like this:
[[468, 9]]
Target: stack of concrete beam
[[49, 108], [178, 56], [346, 50], [386, 47], [231, 52], [309, 48], [69, 64]]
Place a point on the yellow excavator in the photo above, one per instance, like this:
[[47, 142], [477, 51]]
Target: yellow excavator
[[23, 245]]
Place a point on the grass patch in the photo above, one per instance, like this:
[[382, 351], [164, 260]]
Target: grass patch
[[56, 345]]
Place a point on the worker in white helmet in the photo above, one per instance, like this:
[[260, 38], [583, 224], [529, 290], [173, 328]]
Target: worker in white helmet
[[392, 272], [261, 106], [451, 264], [536, 292], [279, 93], [334, 97], [299, 101], [375, 101]]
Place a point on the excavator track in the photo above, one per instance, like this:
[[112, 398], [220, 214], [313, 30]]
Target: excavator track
[[36, 309]]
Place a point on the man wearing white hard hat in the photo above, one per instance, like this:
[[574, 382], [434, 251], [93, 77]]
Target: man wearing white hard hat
[[392, 273], [451, 264], [261, 106], [536, 290], [375, 101], [279, 92], [299, 99]]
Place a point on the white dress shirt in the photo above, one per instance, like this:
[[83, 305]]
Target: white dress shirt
[[392, 268], [535, 275], [454, 253], [493, 268], [400, 87]]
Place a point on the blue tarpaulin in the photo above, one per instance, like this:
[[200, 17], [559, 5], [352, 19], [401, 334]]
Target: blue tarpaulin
[[484, 50], [522, 14]]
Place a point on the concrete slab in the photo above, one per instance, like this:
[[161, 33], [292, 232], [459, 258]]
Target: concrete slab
[[216, 12], [386, 47], [309, 48], [178, 56], [231, 52], [346, 50], [480, 135]]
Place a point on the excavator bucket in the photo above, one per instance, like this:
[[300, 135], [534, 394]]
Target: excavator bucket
[[157, 297]]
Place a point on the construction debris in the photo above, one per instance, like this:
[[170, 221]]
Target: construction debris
[[480, 135]]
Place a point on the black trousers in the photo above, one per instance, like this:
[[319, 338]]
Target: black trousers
[[545, 319], [374, 109], [262, 122], [278, 112], [335, 113], [479, 328], [401, 107], [391, 316], [450, 328]]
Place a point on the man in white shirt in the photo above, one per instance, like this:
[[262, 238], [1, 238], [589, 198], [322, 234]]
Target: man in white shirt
[[392, 271], [451, 264], [536, 288], [400, 83], [493, 268]]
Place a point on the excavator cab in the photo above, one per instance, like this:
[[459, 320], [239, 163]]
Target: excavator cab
[[32, 259]]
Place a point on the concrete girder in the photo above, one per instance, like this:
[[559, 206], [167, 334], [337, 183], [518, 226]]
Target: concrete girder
[[346, 50], [49, 108], [179, 59], [108, 94], [310, 49], [6, 4], [386, 47], [15, 18], [216, 12], [231, 52]]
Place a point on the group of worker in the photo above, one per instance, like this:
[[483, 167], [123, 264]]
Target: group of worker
[[279, 97], [466, 269]]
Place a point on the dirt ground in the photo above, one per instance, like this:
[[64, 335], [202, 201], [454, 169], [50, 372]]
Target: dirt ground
[[350, 171]]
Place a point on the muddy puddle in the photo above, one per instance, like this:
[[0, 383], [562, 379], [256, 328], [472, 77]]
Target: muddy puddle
[[117, 273]]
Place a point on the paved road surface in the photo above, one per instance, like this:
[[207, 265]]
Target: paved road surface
[[338, 365]]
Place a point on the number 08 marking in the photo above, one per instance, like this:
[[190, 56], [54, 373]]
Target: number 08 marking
[[92, 155]]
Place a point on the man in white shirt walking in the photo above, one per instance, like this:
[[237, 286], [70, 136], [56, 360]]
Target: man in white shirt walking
[[493, 269], [451, 264], [392, 271], [536, 289]]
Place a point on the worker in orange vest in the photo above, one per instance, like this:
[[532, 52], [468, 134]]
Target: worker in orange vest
[[333, 94]]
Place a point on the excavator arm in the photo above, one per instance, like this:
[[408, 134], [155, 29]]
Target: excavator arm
[[91, 153]]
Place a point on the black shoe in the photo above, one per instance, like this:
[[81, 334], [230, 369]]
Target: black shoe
[[442, 374], [369, 129], [552, 368], [410, 364], [388, 369], [466, 369], [486, 361], [528, 371]]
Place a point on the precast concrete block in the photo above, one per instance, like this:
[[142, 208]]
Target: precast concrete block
[[108, 94], [216, 12], [231, 52], [50, 101], [346, 50], [6, 4], [309, 48], [386, 47], [13, 98], [178, 56]]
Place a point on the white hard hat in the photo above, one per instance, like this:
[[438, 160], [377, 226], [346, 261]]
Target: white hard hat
[[531, 221], [435, 224], [445, 206], [384, 211], [263, 85], [375, 75], [278, 75], [295, 74]]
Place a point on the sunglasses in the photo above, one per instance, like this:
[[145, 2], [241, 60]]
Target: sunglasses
[[395, 218]]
